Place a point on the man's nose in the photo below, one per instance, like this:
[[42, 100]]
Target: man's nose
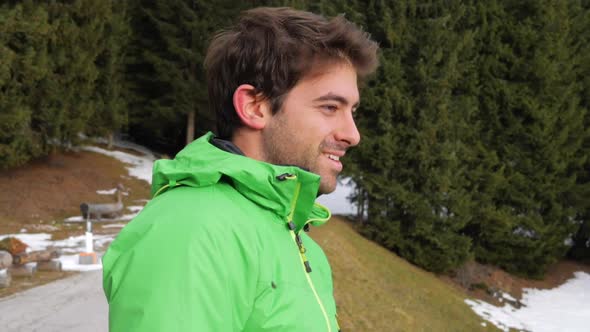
[[348, 131]]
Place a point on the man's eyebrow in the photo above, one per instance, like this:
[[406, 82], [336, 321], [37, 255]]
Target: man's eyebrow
[[334, 97]]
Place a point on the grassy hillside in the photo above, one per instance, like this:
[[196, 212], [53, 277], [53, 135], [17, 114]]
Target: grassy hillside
[[376, 290]]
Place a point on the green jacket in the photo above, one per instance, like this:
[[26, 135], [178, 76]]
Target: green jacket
[[214, 250]]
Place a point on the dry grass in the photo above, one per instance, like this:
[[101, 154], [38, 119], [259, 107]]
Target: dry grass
[[376, 290], [38, 196], [20, 284]]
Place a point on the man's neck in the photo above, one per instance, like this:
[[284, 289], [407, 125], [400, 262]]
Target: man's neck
[[249, 142]]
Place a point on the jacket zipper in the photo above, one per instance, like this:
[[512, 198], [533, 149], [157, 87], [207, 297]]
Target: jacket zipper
[[304, 262]]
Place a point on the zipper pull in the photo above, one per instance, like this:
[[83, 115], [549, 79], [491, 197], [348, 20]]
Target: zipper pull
[[307, 266], [284, 176]]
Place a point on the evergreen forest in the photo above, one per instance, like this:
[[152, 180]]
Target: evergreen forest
[[476, 126]]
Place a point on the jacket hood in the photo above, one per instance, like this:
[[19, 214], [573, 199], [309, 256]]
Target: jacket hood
[[289, 191]]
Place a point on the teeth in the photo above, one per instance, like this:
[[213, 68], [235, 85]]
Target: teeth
[[333, 157]]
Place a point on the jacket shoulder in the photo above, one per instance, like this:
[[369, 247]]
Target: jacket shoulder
[[203, 204], [181, 241]]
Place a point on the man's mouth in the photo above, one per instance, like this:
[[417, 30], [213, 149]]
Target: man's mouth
[[335, 161], [333, 157]]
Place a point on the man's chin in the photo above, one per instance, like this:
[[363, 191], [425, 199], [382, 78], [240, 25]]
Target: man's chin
[[327, 188]]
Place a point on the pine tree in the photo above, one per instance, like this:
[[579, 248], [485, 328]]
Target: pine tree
[[67, 98], [581, 240], [531, 124], [111, 109], [58, 75], [23, 61], [414, 122], [165, 66]]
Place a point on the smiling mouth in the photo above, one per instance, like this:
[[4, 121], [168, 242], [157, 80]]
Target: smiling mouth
[[335, 161], [333, 157]]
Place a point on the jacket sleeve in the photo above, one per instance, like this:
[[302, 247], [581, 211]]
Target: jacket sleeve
[[168, 276]]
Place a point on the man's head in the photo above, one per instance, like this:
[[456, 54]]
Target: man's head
[[283, 84]]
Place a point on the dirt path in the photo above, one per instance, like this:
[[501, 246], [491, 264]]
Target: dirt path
[[72, 304]]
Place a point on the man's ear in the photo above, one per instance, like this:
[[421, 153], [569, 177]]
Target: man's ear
[[252, 109]]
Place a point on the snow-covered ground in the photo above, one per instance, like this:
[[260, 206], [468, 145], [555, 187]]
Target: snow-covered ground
[[564, 308], [138, 166]]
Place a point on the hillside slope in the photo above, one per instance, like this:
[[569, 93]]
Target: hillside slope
[[376, 290]]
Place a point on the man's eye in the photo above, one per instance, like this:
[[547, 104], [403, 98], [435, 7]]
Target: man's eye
[[330, 108]]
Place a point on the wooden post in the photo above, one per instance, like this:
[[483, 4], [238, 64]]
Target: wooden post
[[89, 240], [5, 278]]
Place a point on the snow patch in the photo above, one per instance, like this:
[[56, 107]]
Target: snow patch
[[114, 226], [140, 167], [75, 219], [38, 241], [564, 308], [508, 297], [70, 263], [107, 192], [134, 208]]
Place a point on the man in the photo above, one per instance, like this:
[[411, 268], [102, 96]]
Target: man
[[222, 245]]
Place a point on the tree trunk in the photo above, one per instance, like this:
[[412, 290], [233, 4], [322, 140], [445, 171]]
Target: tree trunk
[[190, 127], [111, 140], [361, 196]]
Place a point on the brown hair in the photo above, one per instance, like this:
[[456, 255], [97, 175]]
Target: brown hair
[[272, 49]]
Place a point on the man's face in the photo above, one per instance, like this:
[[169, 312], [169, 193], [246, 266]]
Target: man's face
[[315, 127]]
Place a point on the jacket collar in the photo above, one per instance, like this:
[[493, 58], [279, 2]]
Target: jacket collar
[[227, 146], [288, 191]]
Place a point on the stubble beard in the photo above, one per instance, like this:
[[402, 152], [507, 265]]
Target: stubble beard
[[282, 147]]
